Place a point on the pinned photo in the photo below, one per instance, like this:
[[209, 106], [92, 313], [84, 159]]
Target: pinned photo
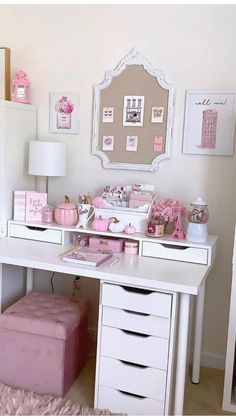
[[133, 111], [132, 143], [108, 114], [157, 114], [158, 143], [108, 142]]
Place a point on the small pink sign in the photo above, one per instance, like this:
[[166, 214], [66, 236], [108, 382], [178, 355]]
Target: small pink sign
[[158, 143], [35, 201]]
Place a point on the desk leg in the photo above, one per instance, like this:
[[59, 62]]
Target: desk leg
[[181, 354], [29, 280], [198, 334]]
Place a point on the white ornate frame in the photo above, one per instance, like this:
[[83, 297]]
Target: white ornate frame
[[133, 58]]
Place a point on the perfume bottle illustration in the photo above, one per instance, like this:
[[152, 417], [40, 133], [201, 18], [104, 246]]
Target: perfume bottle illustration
[[64, 108]]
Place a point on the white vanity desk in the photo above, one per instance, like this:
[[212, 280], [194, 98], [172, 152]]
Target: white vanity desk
[[168, 284]]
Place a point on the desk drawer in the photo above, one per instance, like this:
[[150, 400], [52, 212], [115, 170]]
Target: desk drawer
[[119, 402], [143, 349], [136, 322], [182, 253], [142, 301], [35, 233], [143, 381]]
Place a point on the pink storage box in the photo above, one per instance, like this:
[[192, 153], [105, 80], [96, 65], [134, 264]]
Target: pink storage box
[[43, 342], [105, 243]]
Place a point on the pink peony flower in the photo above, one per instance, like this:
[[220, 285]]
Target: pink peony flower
[[64, 105]]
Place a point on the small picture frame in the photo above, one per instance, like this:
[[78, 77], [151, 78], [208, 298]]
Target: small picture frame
[[133, 111], [64, 113], [108, 115], [5, 91], [157, 114], [131, 143], [108, 142]]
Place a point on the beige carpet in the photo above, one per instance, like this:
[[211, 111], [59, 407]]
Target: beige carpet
[[15, 402]]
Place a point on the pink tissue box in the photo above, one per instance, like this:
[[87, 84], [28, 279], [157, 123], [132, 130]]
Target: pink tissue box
[[105, 243]]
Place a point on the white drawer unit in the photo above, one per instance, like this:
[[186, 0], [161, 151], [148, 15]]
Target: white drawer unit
[[137, 348], [35, 233], [133, 378], [137, 322], [142, 301], [120, 402], [169, 251]]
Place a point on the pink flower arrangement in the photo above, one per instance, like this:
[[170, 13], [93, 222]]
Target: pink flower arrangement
[[64, 105], [173, 211]]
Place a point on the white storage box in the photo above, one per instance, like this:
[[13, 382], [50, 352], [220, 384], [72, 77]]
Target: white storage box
[[126, 215]]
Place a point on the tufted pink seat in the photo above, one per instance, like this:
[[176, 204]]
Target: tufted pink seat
[[43, 342]]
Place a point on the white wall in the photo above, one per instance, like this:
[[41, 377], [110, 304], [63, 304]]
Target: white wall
[[69, 48]]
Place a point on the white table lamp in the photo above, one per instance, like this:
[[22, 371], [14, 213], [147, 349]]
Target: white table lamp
[[47, 158]]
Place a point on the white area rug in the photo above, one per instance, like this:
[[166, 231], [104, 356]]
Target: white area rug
[[15, 402]]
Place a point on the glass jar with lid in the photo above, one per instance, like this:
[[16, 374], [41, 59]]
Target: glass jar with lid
[[199, 212], [198, 217]]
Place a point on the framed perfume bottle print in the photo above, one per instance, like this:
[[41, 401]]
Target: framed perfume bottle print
[[64, 113]]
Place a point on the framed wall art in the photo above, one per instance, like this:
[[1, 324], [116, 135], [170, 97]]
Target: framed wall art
[[133, 116], [209, 126], [5, 91], [64, 113]]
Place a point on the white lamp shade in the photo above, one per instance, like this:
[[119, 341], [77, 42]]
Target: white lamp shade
[[47, 158]]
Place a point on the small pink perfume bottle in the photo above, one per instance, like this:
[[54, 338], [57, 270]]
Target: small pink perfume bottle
[[20, 88]]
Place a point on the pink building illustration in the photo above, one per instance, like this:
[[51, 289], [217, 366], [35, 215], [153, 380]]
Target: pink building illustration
[[209, 123]]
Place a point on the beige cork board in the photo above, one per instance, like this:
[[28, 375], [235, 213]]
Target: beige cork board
[[133, 116]]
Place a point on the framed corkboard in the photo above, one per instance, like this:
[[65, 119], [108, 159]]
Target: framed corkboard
[[133, 116], [5, 92]]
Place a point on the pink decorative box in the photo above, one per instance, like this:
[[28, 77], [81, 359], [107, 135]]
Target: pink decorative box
[[43, 342], [105, 243]]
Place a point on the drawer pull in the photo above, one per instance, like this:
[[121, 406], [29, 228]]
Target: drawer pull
[[131, 394], [136, 312], [36, 228], [173, 246], [142, 335], [132, 364], [137, 290]]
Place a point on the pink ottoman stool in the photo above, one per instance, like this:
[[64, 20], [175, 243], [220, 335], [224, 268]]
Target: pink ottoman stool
[[43, 342]]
